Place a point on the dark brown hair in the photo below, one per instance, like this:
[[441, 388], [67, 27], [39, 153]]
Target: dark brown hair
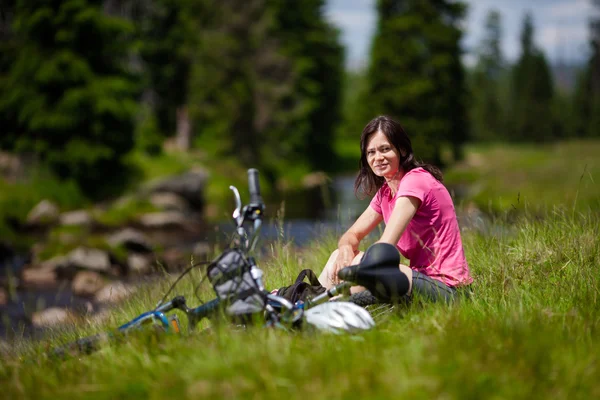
[[367, 183]]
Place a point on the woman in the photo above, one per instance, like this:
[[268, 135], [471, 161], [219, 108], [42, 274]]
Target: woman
[[418, 212]]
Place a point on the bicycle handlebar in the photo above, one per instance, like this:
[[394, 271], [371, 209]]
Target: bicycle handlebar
[[254, 187]]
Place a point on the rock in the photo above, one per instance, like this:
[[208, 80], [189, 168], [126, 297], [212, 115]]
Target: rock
[[43, 214], [164, 220], [114, 292], [169, 202], [51, 317], [189, 185], [87, 283], [138, 264], [131, 239], [76, 218], [39, 277], [90, 259]]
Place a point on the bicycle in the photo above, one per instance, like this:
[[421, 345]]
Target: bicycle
[[237, 281]]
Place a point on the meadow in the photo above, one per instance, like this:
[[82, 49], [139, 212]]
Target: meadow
[[529, 331]]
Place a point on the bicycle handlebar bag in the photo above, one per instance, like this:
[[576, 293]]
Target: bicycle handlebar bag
[[233, 283]]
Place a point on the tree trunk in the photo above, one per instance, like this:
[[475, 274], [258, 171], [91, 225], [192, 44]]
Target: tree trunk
[[183, 137]]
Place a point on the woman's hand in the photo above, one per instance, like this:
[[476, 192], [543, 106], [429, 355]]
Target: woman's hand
[[345, 256]]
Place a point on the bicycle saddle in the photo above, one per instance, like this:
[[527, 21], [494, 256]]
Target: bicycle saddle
[[378, 271]]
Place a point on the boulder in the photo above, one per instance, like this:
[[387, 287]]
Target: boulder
[[87, 283], [89, 259], [114, 292], [39, 277], [51, 317], [169, 202], [131, 239], [164, 220], [76, 218], [138, 264], [43, 214], [189, 185]]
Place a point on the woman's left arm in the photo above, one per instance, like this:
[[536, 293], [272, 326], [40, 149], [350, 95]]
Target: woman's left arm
[[404, 209]]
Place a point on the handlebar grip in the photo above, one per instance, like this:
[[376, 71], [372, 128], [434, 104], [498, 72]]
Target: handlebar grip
[[254, 186]]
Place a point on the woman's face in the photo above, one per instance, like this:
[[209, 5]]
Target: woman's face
[[382, 156]]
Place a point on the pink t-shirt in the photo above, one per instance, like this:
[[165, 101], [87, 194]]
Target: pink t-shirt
[[431, 240]]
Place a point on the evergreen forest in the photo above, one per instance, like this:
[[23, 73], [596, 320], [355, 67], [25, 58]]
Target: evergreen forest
[[87, 83]]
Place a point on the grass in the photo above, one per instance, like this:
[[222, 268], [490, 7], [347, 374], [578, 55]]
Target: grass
[[530, 331], [503, 177]]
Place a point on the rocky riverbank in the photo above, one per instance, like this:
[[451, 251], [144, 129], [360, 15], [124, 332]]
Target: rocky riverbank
[[83, 260]]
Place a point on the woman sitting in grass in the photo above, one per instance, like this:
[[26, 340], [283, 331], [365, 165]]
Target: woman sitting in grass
[[418, 212]]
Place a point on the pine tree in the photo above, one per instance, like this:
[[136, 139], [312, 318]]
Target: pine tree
[[587, 95], [238, 79], [312, 45], [532, 91], [70, 92], [265, 83], [415, 73], [167, 34], [486, 109]]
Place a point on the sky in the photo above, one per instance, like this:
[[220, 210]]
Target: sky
[[561, 27]]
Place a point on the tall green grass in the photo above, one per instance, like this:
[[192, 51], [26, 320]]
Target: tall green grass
[[529, 331]]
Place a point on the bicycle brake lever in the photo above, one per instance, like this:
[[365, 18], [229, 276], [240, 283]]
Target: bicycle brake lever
[[238, 204]]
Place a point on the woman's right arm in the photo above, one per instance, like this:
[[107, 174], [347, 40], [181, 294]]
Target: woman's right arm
[[348, 243]]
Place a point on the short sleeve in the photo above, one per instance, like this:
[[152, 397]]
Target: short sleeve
[[415, 183], [376, 202]]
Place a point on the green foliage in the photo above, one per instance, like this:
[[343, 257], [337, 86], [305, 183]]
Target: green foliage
[[238, 80], [312, 45], [415, 73], [532, 92], [166, 33], [69, 93], [265, 84]]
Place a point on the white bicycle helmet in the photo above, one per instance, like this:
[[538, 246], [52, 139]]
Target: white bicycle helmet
[[338, 317]]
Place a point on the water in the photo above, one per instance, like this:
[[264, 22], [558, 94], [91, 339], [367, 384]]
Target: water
[[325, 210]]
